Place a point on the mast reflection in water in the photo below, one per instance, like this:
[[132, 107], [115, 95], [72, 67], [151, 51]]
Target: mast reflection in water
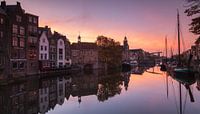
[[141, 91]]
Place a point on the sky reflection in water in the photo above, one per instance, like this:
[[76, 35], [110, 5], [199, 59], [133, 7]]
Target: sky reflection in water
[[146, 93]]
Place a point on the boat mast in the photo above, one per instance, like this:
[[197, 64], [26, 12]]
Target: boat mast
[[166, 47], [179, 47]]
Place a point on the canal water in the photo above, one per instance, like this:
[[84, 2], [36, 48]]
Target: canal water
[[141, 91]]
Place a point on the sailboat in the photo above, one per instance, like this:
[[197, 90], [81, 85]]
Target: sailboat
[[163, 66], [180, 70]]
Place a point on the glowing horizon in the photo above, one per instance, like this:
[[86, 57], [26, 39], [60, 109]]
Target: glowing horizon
[[144, 22]]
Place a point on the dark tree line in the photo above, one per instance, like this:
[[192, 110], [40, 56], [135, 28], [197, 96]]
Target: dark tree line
[[193, 10]]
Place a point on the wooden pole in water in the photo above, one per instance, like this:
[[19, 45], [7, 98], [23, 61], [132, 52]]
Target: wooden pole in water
[[180, 93]]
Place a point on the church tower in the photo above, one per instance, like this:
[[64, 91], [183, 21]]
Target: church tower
[[126, 46], [79, 39]]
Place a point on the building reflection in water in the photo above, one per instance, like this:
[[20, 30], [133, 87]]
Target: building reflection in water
[[138, 70], [34, 95]]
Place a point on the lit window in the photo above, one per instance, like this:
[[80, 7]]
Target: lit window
[[18, 18], [15, 29], [14, 41]]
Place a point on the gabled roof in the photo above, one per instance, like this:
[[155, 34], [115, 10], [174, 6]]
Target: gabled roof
[[48, 31]]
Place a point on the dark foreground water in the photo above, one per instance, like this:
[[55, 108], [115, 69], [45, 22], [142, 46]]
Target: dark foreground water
[[136, 92]]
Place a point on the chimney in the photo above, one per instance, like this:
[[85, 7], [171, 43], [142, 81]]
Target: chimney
[[3, 4], [18, 3]]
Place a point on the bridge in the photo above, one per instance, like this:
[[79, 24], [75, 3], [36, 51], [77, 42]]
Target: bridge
[[156, 53]]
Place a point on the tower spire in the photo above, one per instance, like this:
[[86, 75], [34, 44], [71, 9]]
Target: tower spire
[[79, 38]]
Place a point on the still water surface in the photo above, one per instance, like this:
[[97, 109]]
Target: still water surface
[[142, 91]]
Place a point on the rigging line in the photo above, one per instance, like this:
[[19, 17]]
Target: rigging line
[[175, 37], [183, 42], [175, 97], [185, 102]]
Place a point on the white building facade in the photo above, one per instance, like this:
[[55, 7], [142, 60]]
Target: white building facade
[[44, 49], [61, 53]]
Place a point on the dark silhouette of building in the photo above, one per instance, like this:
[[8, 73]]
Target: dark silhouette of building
[[3, 41], [20, 44], [32, 43]]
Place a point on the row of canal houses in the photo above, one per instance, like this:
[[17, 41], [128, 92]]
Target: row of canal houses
[[26, 48]]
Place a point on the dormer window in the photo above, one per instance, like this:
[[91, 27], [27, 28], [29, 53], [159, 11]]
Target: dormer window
[[61, 43], [18, 18]]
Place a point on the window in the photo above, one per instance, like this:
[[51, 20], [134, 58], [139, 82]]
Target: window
[[51, 57], [21, 42], [14, 65], [45, 56], [45, 99], [60, 64], [30, 28], [18, 18], [35, 20], [61, 43], [21, 31], [41, 48], [32, 40], [14, 41], [15, 29], [41, 56], [1, 20], [34, 29], [45, 48], [21, 65], [41, 100], [30, 19], [1, 34], [60, 54], [43, 40]]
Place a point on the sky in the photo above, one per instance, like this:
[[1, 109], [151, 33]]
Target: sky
[[145, 22]]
